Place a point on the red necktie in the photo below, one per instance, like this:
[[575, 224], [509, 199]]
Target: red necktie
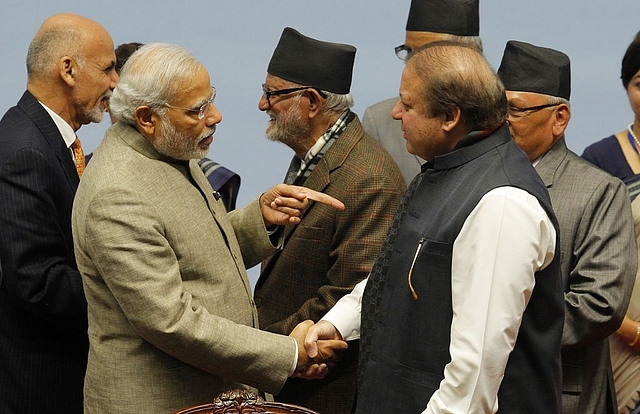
[[79, 156]]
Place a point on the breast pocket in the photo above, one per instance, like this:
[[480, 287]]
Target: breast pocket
[[430, 268], [309, 233]]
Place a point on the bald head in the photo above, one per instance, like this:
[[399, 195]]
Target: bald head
[[62, 20], [62, 35], [71, 68]]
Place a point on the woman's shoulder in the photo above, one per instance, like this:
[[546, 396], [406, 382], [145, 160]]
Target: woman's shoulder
[[605, 144], [608, 155]]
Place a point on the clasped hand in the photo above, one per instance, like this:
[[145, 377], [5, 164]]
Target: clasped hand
[[316, 363]]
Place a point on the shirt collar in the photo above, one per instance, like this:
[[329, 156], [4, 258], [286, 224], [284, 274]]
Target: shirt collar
[[68, 134]]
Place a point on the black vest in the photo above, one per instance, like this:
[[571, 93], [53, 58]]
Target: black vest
[[410, 345]]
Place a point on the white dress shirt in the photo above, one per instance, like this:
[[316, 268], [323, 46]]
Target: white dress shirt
[[68, 134]]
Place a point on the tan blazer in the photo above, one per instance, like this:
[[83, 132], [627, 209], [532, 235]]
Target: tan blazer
[[171, 316]]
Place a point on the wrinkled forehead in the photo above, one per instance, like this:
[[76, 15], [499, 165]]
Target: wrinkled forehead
[[414, 39]]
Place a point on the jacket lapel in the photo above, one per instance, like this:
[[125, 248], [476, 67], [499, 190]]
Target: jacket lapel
[[550, 162], [319, 180], [134, 139], [30, 105]]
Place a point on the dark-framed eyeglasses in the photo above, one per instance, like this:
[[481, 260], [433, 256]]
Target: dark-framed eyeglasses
[[402, 52], [202, 109], [268, 94], [515, 112]]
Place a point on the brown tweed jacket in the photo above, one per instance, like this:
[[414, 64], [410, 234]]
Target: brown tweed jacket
[[328, 253]]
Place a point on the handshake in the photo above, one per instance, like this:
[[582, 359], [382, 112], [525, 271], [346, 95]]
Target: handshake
[[319, 348]]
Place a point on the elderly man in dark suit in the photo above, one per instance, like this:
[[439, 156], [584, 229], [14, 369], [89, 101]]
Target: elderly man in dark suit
[[43, 315], [597, 238], [306, 95]]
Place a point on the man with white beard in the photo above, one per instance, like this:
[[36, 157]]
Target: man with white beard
[[306, 95], [171, 317]]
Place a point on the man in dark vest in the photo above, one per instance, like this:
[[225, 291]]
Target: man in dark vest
[[463, 310]]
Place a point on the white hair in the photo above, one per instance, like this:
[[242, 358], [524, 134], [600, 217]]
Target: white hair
[[152, 76], [337, 103]]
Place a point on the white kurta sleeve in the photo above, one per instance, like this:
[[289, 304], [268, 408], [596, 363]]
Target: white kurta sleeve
[[503, 242], [345, 314]]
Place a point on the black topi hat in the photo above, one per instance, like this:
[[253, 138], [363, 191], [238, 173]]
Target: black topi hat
[[456, 17], [310, 62], [529, 68]]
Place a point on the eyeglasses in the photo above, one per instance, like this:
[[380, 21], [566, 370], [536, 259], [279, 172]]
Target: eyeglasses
[[268, 94], [402, 52], [515, 112], [202, 109]]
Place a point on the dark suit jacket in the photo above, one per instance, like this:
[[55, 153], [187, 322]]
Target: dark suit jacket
[[223, 180], [598, 262], [328, 253], [43, 312]]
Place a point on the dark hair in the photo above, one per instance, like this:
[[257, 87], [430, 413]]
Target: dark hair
[[457, 75], [123, 52], [631, 61]]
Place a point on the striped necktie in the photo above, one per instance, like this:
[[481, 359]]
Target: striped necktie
[[78, 154]]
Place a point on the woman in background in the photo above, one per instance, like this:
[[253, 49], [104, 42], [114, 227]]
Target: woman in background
[[619, 155]]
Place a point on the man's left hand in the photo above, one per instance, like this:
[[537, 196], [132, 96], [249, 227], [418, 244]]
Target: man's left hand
[[283, 204]]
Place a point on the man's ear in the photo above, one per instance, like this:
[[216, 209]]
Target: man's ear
[[451, 119], [561, 120], [68, 70], [146, 120], [316, 102]]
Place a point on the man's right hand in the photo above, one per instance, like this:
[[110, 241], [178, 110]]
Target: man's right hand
[[325, 351], [320, 331]]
